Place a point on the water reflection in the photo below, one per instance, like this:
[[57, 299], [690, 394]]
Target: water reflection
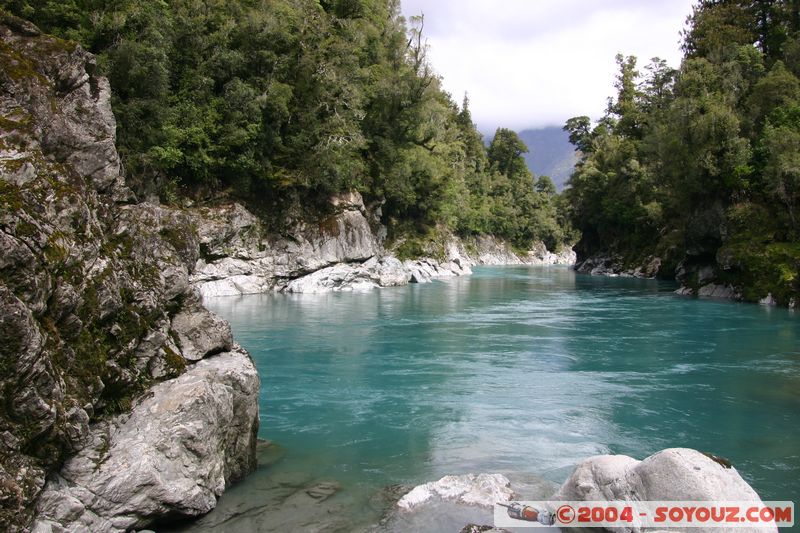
[[515, 369]]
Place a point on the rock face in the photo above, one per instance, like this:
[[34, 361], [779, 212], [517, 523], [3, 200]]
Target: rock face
[[608, 265], [163, 459], [676, 474], [341, 252], [95, 301], [240, 257]]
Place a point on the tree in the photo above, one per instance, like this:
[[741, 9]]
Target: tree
[[505, 153], [283, 102], [544, 185], [780, 148], [580, 134], [626, 108], [657, 88]]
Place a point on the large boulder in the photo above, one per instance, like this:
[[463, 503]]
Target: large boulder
[[169, 458], [675, 474], [200, 333]]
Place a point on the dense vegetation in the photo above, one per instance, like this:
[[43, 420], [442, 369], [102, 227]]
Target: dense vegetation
[[701, 166], [280, 102]]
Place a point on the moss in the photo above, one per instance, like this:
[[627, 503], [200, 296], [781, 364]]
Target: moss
[[409, 248], [175, 237], [49, 45], [414, 246], [12, 166], [102, 451], [16, 122], [120, 245], [91, 354], [55, 253], [176, 363], [18, 67], [470, 246], [670, 250], [11, 196], [330, 226], [521, 251]]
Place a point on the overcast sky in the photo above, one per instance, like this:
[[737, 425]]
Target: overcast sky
[[533, 63]]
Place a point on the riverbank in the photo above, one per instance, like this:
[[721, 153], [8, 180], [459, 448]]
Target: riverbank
[[344, 251], [705, 279]]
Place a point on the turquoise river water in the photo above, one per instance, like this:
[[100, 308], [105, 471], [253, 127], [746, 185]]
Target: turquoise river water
[[512, 369]]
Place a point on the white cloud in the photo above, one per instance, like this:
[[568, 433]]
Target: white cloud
[[529, 63]]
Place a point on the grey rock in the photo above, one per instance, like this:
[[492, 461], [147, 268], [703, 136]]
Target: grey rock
[[675, 474], [649, 270], [342, 251], [385, 272], [200, 333], [341, 277], [228, 231], [713, 290], [482, 489], [705, 274], [768, 300], [236, 286], [170, 457], [240, 258]]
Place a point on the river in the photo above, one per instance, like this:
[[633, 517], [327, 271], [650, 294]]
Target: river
[[520, 370]]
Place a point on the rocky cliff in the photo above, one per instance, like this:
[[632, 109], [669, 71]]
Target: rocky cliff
[[108, 421], [345, 250]]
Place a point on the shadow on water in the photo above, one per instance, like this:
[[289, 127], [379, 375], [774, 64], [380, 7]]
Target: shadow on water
[[516, 370]]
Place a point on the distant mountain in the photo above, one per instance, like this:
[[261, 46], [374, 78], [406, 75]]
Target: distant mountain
[[550, 153]]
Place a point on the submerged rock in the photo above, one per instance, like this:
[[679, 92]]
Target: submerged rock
[[169, 458], [475, 528], [482, 489]]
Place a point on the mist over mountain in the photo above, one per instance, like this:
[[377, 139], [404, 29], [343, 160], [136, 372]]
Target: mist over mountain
[[550, 153]]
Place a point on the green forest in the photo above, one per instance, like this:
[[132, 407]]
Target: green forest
[[281, 103], [701, 165]]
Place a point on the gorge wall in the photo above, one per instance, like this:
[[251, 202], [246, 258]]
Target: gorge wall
[[125, 402], [346, 250]]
